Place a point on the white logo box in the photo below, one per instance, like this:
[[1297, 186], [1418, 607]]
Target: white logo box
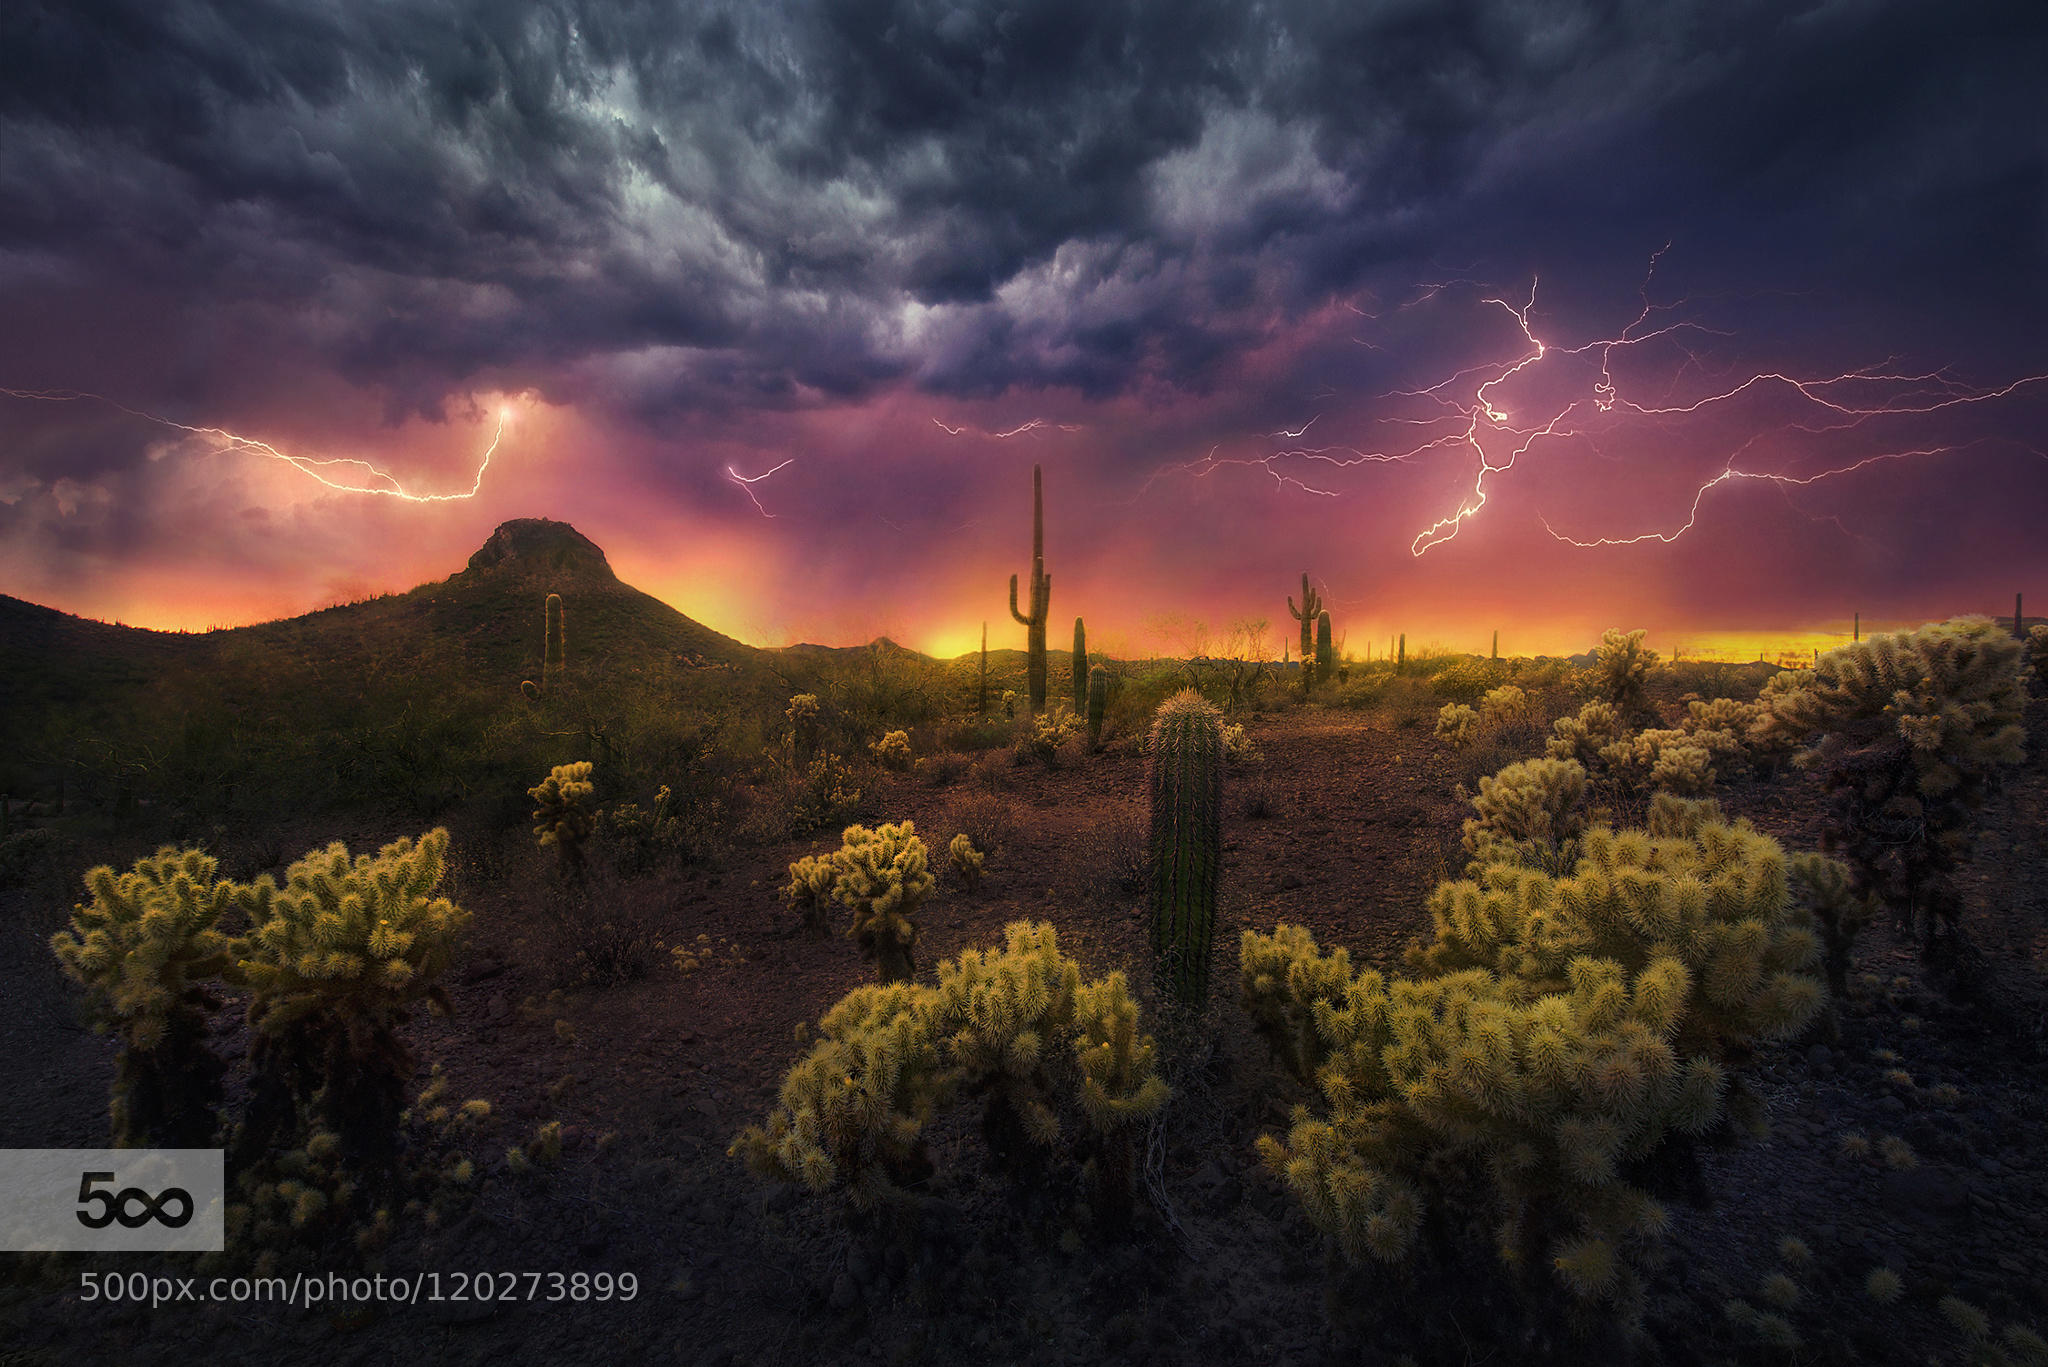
[[111, 1200]]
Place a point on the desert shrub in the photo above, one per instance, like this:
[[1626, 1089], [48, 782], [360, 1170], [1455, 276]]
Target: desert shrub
[[2037, 655], [1458, 724], [1017, 1028], [966, 860], [1258, 796], [892, 751], [946, 768], [1043, 735], [820, 796], [337, 960], [1529, 813], [1460, 678], [1563, 1034], [1908, 731], [1621, 670], [149, 951], [605, 933], [563, 815], [27, 854], [986, 819]]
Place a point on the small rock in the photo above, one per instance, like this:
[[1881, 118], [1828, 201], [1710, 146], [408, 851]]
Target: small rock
[[845, 1295], [1821, 1059], [499, 1008]]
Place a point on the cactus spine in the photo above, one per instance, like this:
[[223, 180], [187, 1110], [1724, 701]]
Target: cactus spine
[[1186, 781], [1041, 596], [1326, 663], [1311, 604], [1080, 667], [1098, 702], [552, 661]]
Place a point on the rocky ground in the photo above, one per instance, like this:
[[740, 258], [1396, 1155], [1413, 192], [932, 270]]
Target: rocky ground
[[1353, 817]]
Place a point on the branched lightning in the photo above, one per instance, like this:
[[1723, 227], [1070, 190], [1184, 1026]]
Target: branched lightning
[[310, 466], [1469, 409], [1022, 429], [747, 482]]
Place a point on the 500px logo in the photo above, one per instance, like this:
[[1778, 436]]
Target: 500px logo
[[111, 1200], [115, 1205]]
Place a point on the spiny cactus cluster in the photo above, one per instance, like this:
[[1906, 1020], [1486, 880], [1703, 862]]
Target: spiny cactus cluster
[[1530, 813], [1018, 1028], [564, 812], [892, 751], [883, 877], [968, 862], [148, 950], [1621, 669], [1586, 736], [1908, 730], [1185, 778], [803, 735], [339, 957], [1045, 734], [1457, 723], [1561, 1031], [1504, 705]]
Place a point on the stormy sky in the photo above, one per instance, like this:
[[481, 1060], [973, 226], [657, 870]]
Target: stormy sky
[[1418, 297]]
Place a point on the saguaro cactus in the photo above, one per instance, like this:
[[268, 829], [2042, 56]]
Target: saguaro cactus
[[981, 688], [1311, 604], [1401, 658], [552, 662], [1326, 663], [1856, 628], [1098, 702], [1496, 643], [1186, 780], [1080, 667], [1041, 596], [2019, 620]]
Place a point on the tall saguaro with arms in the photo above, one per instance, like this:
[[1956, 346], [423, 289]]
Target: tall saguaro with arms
[[1311, 604], [1041, 596]]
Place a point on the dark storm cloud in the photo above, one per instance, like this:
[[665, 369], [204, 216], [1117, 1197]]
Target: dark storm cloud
[[662, 208]]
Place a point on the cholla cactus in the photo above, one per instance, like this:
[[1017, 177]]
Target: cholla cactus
[[1458, 724], [1121, 1090], [1047, 732], [1670, 761], [967, 861], [809, 890], [147, 949], [1530, 813], [337, 959], [1828, 887], [1186, 782], [1564, 1031], [1504, 705], [1621, 668], [564, 812], [1908, 730], [883, 877], [802, 713], [2037, 654], [852, 1114], [1018, 1027], [1238, 746], [1584, 737], [892, 751]]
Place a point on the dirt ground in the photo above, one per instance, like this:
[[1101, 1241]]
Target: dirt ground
[[652, 1080]]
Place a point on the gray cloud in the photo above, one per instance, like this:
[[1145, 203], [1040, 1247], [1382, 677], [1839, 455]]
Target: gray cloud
[[696, 208]]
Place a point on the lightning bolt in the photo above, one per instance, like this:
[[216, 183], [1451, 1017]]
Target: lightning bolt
[[1469, 410], [747, 482], [1020, 430], [310, 466]]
